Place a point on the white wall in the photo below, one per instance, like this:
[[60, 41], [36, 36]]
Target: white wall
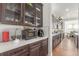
[[11, 29]]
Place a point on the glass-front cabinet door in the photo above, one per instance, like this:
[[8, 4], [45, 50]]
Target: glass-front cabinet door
[[11, 13], [39, 21], [29, 14]]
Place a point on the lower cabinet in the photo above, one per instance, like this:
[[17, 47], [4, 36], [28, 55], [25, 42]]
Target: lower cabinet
[[76, 41], [21, 51], [44, 48], [39, 48], [62, 36], [56, 40], [35, 49]]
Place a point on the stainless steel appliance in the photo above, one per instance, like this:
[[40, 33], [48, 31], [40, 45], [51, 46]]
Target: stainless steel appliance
[[29, 34]]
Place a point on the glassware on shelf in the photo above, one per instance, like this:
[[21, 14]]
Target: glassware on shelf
[[38, 9], [30, 23], [38, 18], [9, 17], [37, 24], [27, 14], [12, 7], [16, 20], [12, 19], [25, 21]]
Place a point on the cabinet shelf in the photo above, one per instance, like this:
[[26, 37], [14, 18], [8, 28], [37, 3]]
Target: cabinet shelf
[[37, 18], [28, 15], [12, 15], [38, 15], [18, 13], [13, 12], [29, 23]]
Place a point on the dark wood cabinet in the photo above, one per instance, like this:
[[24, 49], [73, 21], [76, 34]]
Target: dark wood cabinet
[[39, 48], [35, 49], [11, 13], [44, 48], [27, 14], [76, 41], [39, 14], [62, 36], [56, 40], [21, 51], [33, 14]]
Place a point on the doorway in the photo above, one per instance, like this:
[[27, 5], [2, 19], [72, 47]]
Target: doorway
[[69, 45]]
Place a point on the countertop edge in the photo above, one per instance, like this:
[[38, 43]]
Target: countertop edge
[[13, 45]]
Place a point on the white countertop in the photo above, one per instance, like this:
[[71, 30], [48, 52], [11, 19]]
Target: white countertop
[[6, 46]]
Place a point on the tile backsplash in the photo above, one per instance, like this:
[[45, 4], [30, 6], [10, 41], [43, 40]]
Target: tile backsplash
[[11, 29]]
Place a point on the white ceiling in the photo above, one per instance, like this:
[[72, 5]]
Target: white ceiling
[[59, 9]]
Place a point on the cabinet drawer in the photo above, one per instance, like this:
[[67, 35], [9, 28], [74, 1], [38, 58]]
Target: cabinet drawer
[[35, 44], [35, 51], [44, 48], [22, 53], [35, 48], [45, 42]]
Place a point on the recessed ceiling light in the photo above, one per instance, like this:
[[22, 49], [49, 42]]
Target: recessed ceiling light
[[66, 9]]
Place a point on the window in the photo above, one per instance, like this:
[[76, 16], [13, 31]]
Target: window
[[71, 25]]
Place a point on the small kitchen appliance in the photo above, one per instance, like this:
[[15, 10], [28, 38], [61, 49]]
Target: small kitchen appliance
[[5, 36], [40, 33], [29, 34]]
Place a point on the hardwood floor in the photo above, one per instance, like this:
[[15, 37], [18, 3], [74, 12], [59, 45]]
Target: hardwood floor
[[66, 48]]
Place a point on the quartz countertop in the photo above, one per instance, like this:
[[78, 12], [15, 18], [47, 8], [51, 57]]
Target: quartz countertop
[[6, 46]]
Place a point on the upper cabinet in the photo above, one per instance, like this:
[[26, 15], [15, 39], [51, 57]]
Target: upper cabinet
[[33, 14], [39, 15], [11, 13], [27, 14]]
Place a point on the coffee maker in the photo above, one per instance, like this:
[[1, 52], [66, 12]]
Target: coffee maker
[[40, 33]]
